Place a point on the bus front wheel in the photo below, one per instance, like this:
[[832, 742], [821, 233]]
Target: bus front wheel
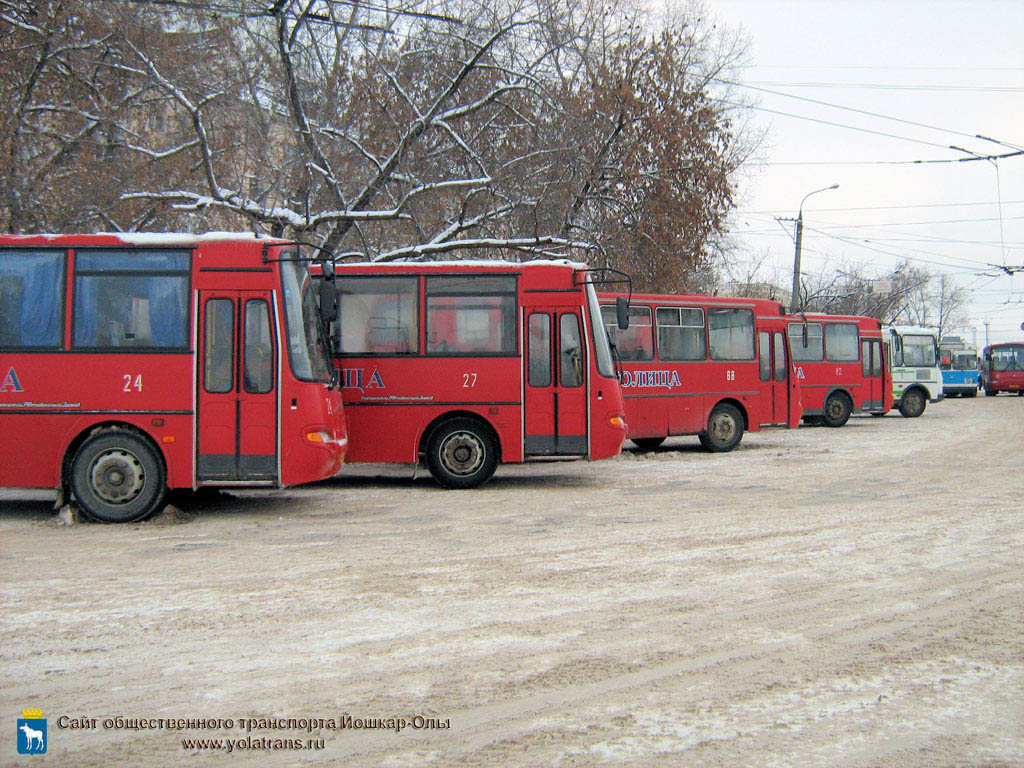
[[462, 454], [117, 477], [725, 429], [913, 403], [837, 410]]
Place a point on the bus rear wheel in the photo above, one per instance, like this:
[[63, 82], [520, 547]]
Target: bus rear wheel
[[647, 443], [837, 410], [725, 429], [117, 477], [991, 392], [912, 404], [461, 453]]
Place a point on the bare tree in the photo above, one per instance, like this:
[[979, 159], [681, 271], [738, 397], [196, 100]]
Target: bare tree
[[406, 130]]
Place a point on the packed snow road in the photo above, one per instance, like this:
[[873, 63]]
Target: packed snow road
[[849, 597]]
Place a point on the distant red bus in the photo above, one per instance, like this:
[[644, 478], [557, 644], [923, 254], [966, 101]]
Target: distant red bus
[[841, 366], [468, 364], [702, 365], [1002, 368], [130, 364]]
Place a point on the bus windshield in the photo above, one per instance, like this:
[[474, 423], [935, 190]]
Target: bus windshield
[[918, 350], [964, 361], [307, 348], [602, 349], [1008, 358]]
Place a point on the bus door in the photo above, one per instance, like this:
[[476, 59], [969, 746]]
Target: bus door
[[237, 387], [555, 404], [774, 368], [871, 370]]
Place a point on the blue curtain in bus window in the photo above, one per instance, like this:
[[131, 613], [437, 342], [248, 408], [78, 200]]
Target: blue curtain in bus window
[[114, 306], [30, 298], [130, 311]]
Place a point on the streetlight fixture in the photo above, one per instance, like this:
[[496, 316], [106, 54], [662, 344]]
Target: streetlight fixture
[[795, 303]]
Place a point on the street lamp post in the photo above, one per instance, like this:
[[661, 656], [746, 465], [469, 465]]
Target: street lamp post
[[795, 303]]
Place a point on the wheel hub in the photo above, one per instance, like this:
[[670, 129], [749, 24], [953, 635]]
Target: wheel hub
[[722, 428], [462, 453], [117, 476]]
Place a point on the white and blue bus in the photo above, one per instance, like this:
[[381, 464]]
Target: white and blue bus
[[958, 361], [912, 353]]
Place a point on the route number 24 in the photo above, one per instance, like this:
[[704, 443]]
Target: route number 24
[[132, 383]]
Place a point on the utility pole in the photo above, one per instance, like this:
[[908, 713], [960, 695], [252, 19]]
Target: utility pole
[[795, 303], [986, 332]]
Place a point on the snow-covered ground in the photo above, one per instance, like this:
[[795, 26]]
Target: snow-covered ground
[[850, 597]]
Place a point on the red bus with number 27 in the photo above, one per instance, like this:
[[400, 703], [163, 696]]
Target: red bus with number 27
[[468, 364]]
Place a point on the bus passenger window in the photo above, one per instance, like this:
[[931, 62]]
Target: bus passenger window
[[815, 349], [540, 350], [31, 293], [764, 357], [781, 364], [731, 334], [377, 315], [841, 342], [219, 346], [130, 298], [681, 334], [471, 315], [258, 348], [571, 357]]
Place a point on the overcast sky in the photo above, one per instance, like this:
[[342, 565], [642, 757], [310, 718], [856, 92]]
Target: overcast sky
[[955, 67]]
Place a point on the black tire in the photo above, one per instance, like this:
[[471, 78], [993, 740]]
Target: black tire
[[725, 429], [462, 453], [647, 443], [991, 392], [912, 403], [971, 393], [118, 477], [837, 410]]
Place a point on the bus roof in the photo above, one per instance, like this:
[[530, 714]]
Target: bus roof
[[415, 266], [861, 320], [696, 298], [137, 239]]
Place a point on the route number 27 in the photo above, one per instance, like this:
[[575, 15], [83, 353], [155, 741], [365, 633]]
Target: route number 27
[[468, 380], [132, 382]]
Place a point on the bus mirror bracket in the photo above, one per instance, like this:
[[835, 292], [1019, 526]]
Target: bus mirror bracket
[[622, 312]]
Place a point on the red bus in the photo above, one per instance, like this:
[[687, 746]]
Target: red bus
[[841, 367], [468, 364], [703, 365], [1002, 368], [130, 364]]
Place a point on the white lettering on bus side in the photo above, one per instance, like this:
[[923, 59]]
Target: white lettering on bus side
[[650, 379]]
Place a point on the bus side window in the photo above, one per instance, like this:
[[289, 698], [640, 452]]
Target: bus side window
[[764, 359], [219, 346], [540, 350], [571, 357], [781, 364], [258, 348]]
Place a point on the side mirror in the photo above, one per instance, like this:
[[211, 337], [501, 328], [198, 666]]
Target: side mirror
[[328, 300], [622, 313]]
